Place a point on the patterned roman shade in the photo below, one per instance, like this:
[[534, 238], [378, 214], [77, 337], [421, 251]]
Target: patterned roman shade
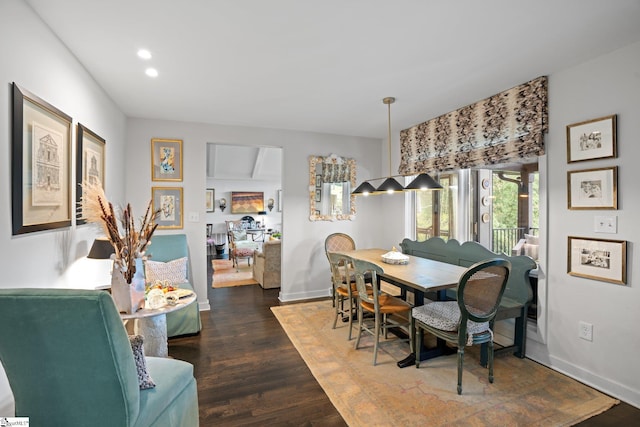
[[335, 172], [503, 128]]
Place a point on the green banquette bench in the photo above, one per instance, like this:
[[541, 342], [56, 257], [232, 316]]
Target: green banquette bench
[[517, 296]]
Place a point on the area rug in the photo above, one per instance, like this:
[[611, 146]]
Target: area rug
[[524, 393], [225, 274]]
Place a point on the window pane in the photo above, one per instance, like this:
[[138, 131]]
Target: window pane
[[424, 215]]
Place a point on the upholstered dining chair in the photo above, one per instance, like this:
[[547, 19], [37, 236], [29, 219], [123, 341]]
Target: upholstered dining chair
[[469, 320], [343, 292], [388, 311]]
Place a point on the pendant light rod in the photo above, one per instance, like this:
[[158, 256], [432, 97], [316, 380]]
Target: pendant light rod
[[388, 101]]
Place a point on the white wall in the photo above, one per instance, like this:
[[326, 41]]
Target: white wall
[[36, 60], [606, 85], [305, 273]]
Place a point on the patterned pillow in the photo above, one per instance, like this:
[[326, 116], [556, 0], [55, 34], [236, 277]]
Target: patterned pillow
[[174, 271], [144, 380]]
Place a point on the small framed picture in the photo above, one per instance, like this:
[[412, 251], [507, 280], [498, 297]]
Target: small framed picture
[[169, 201], [592, 139], [318, 195], [40, 164], [166, 159], [318, 181], [593, 189], [210, 197], [598, 259], [90, 164]]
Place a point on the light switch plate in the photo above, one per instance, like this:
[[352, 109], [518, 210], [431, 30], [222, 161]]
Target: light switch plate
[[605, 224], [194, 217]]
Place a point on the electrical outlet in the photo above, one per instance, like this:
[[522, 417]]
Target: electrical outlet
[[585, 331]]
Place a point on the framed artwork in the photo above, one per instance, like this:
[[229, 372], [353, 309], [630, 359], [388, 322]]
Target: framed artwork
[[245, 202], [318, 181], [166, 159], [90, 164], [318, 195], [41, 164], [593, 188], [592, 139], [598, 259], [210, 197], [279, 200], [169, 201]]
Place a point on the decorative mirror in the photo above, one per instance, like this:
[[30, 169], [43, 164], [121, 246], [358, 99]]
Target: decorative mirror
[[331, 180]]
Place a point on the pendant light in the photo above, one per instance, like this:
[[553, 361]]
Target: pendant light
[[389, 185], [424, 182]]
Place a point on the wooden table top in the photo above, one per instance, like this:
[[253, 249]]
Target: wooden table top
[[420, 273]]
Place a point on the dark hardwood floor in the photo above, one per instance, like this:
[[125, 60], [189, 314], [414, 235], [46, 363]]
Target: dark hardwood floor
[[249, 373]]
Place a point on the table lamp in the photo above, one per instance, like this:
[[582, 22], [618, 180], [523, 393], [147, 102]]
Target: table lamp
[[101, 249]]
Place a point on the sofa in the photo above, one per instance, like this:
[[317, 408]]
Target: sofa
[[70, 362], [166, 248], [517, 295], [266, 264]]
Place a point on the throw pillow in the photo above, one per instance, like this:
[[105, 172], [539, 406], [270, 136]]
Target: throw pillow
[[240, 235], [144, 380], [174, 271], [532, 240], [531, 250]]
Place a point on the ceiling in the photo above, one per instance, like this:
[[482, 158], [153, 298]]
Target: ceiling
[[243, 162], [324, 66]]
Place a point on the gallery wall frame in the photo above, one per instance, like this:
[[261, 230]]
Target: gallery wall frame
[[169, 201], [593, 189], [166, 159], [279, 196], [598, 259], [210, 197], [592, 139], [41, 164], [90, 164]]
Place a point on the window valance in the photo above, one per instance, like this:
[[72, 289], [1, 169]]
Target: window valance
[[502, 128], [335, 169]]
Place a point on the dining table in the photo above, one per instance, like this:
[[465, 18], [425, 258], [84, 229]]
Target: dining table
[[418, 276]]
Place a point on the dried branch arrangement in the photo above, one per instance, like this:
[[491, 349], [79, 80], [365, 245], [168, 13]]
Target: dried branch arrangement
[[128, 243]]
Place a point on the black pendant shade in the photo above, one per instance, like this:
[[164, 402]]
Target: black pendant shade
[[390, 185], [424, 182], [364, 189]]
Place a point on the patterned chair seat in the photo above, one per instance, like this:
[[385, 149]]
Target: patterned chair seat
[[445, 315]]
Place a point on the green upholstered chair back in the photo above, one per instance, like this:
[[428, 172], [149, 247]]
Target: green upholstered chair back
[[167, 247], [469, 253], [67, 357]]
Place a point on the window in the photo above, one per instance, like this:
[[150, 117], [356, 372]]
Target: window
[[437, 211]]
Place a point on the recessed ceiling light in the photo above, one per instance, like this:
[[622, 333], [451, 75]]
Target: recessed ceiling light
[[144, 54], [151, 72]]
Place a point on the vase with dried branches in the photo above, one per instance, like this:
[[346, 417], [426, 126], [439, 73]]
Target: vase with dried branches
[[130, 244]]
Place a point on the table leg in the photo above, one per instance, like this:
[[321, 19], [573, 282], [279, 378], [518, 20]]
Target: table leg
[[154, 331]]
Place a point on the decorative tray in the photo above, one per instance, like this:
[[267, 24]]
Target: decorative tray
[[395, 257]]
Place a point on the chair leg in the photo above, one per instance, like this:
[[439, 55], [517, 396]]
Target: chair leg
[[418, 345], [490, 361], [359, 325], [350, 317], [460, 363], [377, 338], [337, 309]]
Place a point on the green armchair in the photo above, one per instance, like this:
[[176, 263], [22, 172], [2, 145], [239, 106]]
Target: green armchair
[[69, 362]]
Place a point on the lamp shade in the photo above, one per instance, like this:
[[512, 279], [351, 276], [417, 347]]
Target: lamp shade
[[390, 185], [262, 212], [424, 182], [101, 249], [364, 188]]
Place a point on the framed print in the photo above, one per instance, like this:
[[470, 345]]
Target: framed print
[[318, 181], [210, 197], [166, 159], [41, 164], [90, 164], [598, 259], [592, 139], [279, 200], [169, 201], [245, 202], [593, 188], [318, 195]]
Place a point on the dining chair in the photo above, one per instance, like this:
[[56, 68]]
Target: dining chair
[[343, 291], [469, 320], [388, 311], [337, 242]]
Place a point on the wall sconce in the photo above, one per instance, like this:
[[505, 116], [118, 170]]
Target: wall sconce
[[223, 204], [270, 204]]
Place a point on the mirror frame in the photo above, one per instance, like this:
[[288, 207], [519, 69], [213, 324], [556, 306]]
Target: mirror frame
[[313, 162]]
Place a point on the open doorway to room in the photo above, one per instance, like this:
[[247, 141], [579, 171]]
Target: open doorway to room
[[234, 171]]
